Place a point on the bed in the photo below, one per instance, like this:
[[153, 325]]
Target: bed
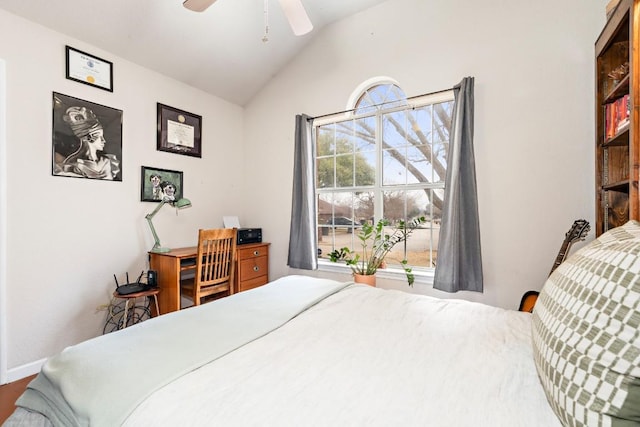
[[309, 351]]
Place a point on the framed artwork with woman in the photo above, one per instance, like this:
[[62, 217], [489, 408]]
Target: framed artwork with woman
[[87, 139]]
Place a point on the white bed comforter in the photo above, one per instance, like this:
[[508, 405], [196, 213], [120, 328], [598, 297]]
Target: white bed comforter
[[368, 357], [100, 381]]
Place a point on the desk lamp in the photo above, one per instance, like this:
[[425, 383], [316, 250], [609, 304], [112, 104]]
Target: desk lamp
[[179, 204]]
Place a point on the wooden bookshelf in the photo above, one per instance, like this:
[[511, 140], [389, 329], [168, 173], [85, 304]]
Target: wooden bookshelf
[[617, 120]]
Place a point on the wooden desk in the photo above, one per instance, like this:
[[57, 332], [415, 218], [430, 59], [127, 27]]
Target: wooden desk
[[252, 270], [169, 266]]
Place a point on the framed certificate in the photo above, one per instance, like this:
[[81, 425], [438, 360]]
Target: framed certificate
[[89, 69], [179, 132]]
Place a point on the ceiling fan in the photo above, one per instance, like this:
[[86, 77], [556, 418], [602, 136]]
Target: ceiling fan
[[293, 9]]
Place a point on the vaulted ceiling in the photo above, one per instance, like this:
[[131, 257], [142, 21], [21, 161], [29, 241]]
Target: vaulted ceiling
[[220, 50]]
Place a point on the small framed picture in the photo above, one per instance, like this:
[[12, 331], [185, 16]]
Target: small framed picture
[[86, 139], [160, 184], [89, 69], [179, 132]]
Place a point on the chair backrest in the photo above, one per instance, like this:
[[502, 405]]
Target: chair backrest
[[216, 257]]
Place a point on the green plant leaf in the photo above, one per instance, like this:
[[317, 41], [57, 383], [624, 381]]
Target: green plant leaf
[[376, 243]]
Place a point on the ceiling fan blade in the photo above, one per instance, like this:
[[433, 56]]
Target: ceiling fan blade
[[198, 5], [297, 16]]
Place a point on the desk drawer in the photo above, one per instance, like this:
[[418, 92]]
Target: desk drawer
[[253, 267], [252, 252], [245, 285]]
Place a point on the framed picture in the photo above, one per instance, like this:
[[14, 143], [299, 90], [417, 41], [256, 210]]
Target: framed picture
[[86, 139], [160, 184], [89, 69], [179, 132]]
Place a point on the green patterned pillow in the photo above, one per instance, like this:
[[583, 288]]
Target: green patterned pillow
[[586, 332]]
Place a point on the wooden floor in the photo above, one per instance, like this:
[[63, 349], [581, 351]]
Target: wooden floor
[[8, 395]]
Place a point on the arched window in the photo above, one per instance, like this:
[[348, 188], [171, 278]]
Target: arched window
[[386, 158], [379, 97]]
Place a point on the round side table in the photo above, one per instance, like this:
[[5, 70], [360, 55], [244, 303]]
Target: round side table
[[135, 313]]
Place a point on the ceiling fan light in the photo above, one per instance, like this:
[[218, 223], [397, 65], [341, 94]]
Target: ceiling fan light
[[198, 5], [297, 16]]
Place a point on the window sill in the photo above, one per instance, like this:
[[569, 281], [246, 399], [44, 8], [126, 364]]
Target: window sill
[[422, 276]]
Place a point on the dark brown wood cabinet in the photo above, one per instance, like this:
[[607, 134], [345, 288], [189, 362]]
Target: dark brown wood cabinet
[[617, 120]]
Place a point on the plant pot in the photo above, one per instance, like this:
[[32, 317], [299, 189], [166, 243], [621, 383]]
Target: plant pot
[[367, 279]]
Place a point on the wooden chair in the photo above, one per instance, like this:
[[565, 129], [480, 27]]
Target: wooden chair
[[215, 266]]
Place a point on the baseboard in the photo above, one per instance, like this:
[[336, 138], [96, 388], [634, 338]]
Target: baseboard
[[24, 371]]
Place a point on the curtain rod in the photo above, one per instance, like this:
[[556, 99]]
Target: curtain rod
[[388, 102]]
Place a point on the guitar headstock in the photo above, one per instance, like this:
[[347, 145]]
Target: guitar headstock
[[578, 231]]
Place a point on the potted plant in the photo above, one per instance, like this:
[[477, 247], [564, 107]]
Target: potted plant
[[376, 243]]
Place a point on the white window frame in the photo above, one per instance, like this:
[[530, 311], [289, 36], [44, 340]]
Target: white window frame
[[423, 275]]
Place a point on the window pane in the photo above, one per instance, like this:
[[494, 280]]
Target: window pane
[[442, 121], [394, 206], [381, 93], [325, 140], [335, 221], [436, 202], [365, 134], [441, 124], [326, 241], [365, 104], [335, 210], [325, 208], [344, 137], [325, 170], [433, 215], [386, 164], [365, 172], [418, 202], [421, 124], [343, 204], [394, 129], [364, 206], [344, 171], [419, 165], [440, 154], [380, 97], [394, 171], [420, 247]]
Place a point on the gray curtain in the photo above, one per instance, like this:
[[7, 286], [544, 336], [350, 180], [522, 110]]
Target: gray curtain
[[459, 262], [303, 242]]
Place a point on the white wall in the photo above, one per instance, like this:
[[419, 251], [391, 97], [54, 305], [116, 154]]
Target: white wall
[[3, 223], [533, 64], [68, 236], [534, 129]]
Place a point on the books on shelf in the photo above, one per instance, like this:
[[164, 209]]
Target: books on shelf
[[616, 116]]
